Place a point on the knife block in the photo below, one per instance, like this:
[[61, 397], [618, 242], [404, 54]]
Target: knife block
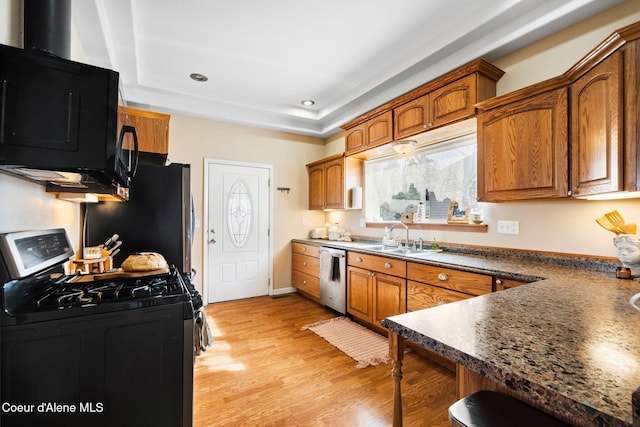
[[97, 265]]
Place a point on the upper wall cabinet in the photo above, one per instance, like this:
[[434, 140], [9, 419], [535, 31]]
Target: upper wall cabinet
[[583, 124], [412, 117], [447, 99], [153, 132], [331, 181], [517, 160], [596, 129], [372, 133]]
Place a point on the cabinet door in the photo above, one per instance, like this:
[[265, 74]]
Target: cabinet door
[[152, 129], [454, 101], [334, 184], [411, 118], [523, 149], [359, 293], [316, 187], [390, 296], [596, 129], [355, 139], [379, 130]]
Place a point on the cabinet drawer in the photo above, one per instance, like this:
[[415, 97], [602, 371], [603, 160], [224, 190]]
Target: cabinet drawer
[[301, 248], [395, 267], [421, 295], [306, 264], [306, 283], [461, 281], [502, 284]]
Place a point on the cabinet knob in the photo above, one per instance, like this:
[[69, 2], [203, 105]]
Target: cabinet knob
[[443, 277], [304, 249], [304, 282], [387, 265], [358, 259], [442, 303], [304, 263], [498, 282]]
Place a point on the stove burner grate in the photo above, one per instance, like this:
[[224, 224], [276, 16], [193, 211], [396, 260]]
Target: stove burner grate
[[60, 295]]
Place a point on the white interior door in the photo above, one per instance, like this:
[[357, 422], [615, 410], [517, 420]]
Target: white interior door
[[238, 231]]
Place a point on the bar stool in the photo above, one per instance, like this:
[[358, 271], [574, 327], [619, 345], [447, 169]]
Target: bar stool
[[491, 409]]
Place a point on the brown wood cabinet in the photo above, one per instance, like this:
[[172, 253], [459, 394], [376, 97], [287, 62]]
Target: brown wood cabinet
[[455, 101], [372, 133], [522, 135], [412, 118], [428, 285], [502, 284], [305, 269], [523, 149], [152, 129], [596, 129], [376, 287], [447, 99], [331, 181]]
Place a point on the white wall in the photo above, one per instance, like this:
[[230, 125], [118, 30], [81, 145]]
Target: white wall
[[566, 226]]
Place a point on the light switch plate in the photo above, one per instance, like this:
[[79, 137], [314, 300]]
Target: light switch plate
[[508, 227]]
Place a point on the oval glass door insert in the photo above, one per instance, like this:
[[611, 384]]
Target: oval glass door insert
[[239, 214]]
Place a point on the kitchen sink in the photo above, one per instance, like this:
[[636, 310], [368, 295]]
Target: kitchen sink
[[424, 254], [396, 250]]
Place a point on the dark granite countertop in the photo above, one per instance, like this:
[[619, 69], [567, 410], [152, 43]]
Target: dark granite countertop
[[570, 339]]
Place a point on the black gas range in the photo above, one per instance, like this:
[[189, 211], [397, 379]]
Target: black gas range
[[98, 350]]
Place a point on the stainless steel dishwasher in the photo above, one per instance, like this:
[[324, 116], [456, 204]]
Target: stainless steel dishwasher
[[333, 279]]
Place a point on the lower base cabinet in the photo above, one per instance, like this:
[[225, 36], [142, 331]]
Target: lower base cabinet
[[305, 269], [373, 295], [430, 285]]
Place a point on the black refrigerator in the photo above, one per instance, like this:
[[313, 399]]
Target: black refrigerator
[[157, 218]]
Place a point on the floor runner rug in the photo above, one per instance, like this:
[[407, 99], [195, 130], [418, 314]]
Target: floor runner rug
[[366, 347]]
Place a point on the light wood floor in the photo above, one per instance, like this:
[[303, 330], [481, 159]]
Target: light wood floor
[[264, 371]]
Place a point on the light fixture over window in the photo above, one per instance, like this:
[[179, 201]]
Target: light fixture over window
[[308, 102], [404, 147]]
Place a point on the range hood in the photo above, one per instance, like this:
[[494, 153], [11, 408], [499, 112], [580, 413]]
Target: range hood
[[58, 118]]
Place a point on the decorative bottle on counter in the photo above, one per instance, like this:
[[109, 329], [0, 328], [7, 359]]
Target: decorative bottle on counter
[[420, 212], [427, 209]]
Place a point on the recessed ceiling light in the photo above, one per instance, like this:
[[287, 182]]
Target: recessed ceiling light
[[199, 77], [308, 102]]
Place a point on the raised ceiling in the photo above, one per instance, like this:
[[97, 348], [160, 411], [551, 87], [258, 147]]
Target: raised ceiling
[[262, 58]]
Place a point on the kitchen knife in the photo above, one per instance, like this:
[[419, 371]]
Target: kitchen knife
[[114, 247], [110, 240], [112, 254]]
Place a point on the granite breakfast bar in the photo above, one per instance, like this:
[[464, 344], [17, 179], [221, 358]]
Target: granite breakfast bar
[[568, 345]]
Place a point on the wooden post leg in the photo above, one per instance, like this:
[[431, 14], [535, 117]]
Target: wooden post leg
[[396, 351]]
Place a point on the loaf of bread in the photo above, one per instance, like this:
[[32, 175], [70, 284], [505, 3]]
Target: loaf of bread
[[143, 261]]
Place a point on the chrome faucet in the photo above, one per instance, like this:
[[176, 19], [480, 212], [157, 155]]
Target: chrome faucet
[[405, 226], [420, 241]]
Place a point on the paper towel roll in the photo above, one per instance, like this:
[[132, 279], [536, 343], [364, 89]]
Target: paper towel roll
[[356, 198]]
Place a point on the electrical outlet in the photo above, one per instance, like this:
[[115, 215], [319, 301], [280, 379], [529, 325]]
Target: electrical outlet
[[508, 227], [361, 222]]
